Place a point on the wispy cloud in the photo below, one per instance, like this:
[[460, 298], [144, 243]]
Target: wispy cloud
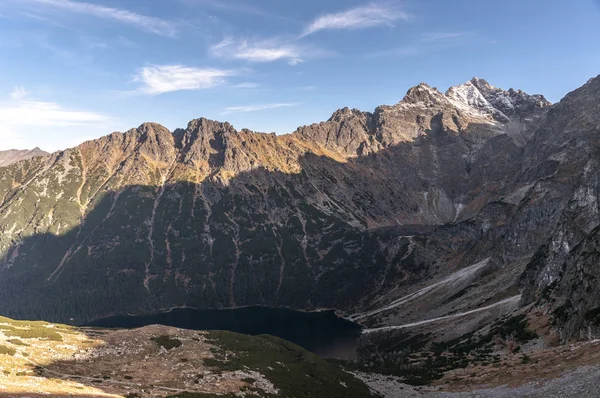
[[21, 110], [256, 108], [19, 93], [246, 85], [93, 43], [437, 36], [265, 50], [257, 51], [149, 24], [25, 122], [159, 79], [367, 16], [428, 42], [240, 7], [41, 18], [125, 42], [406, 51]]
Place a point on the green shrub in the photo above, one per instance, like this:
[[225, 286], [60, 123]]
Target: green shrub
[[17, 342], [294, 371], [167, 342], [4, 350]]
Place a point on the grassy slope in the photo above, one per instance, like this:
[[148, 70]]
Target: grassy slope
[[295, 372]]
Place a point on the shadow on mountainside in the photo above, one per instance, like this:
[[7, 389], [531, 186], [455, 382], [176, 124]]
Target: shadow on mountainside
[[324, 237]]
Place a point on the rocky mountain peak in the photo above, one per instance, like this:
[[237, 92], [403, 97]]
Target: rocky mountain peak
[[345, 114], [423, 94], [512, 103], [475, 108], [469, 98], [589, 89], [208, 126]]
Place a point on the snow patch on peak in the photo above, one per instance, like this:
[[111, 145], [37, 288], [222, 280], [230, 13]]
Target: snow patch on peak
[[497, 97], [469, 98], [467, 94]]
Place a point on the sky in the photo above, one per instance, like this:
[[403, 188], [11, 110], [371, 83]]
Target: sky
[[75, 70]]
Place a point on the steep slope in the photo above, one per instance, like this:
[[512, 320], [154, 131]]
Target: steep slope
[[354, 213], [560, 278], [550, 207], [13, 156]]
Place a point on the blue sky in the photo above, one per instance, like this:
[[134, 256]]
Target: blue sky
[[73, 70]]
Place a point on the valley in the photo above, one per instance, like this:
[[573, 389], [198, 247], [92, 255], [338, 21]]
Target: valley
[[458, 230]]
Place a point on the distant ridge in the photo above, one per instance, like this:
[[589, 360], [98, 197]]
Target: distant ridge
[[15, 155]]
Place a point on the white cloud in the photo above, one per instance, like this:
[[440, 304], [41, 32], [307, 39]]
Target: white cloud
[[159, 79], [25, 112], [262, 51], [358, 18], [22, 119], [149, 24], [256, 108]]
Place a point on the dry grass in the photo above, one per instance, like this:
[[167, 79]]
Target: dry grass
[[99, 363]]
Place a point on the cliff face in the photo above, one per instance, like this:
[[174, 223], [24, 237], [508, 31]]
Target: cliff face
[[351, 213], [561, 276]]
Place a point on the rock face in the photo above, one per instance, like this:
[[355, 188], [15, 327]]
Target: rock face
[[12, 156], [561, 277], [352, 213]]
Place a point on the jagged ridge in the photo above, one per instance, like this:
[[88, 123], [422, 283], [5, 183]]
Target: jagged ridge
[[347, 213]]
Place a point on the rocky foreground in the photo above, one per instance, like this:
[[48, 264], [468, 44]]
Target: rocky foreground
[[38, 358], [41, 359]]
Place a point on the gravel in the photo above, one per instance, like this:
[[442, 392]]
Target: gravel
[[581, 383]]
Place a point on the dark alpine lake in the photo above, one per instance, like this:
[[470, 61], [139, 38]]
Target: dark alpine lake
[[321, 332]]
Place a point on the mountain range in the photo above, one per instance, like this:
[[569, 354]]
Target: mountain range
[[442, 204]]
